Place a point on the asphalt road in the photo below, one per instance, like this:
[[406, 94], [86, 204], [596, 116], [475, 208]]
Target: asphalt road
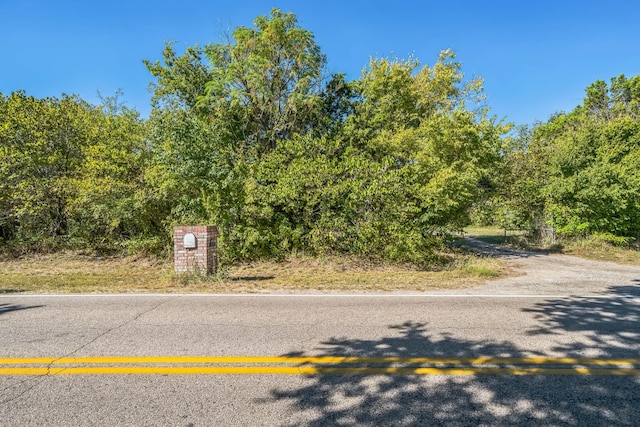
[[507, 353]]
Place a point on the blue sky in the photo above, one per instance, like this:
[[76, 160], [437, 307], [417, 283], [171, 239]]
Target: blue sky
[[536, 57]]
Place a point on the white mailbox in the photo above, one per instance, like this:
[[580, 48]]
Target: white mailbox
[[189, 241]]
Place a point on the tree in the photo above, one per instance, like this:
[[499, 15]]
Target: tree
[[265, 82], [285, 160], [112, 201], [213, 121], [585, 163], [73, 173], [41, 142], [402, 169]]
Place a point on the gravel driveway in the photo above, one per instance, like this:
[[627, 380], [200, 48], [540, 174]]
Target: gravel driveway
[[553, 274]]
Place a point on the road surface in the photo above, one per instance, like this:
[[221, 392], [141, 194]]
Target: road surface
[[557, 345]]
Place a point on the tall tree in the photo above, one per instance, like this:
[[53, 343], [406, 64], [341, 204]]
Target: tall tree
[[215, 117], [403, 168], [265, 81], [283, 159]]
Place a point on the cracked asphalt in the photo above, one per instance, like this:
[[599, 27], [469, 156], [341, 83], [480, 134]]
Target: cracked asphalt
[[558, 306]]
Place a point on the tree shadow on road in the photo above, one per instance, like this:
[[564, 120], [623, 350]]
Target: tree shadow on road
[[488, 400], [609, 325]]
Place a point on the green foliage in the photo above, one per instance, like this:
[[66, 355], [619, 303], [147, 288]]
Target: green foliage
[[593, 185], [579, 171], [389, 183], [41, 143], [283, 162], [264, 82], [251, 135], [612, 239], [73, 173]]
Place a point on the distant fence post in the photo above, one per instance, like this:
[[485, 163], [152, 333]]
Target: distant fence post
[[546, 233]]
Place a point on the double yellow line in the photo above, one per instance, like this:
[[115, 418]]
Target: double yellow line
[[320, 365]]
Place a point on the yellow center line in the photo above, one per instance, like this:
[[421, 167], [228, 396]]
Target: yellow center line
[[309, 370], [319, 360], [316, 365]]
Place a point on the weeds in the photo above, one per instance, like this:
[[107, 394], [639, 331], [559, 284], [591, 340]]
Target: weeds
[[603, 247], [75, 273]]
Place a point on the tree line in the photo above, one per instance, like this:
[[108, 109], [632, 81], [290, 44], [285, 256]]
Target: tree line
[[253, 135], [580, 171]]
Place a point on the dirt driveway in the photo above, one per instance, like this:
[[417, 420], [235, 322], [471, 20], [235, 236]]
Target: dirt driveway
[[553, 274]]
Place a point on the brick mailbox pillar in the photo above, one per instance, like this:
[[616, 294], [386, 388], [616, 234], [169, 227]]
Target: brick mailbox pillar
[[195, 249]]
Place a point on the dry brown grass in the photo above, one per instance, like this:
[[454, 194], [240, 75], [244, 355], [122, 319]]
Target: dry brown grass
[[345, 274], [602, 251], [72, 273]]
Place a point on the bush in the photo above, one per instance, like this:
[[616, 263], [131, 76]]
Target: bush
[[156, 246], [612, 239]]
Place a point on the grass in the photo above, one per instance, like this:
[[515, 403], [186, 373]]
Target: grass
[[494, 234], [587, 247], [348, 274], [73, 273], [593, 248]]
